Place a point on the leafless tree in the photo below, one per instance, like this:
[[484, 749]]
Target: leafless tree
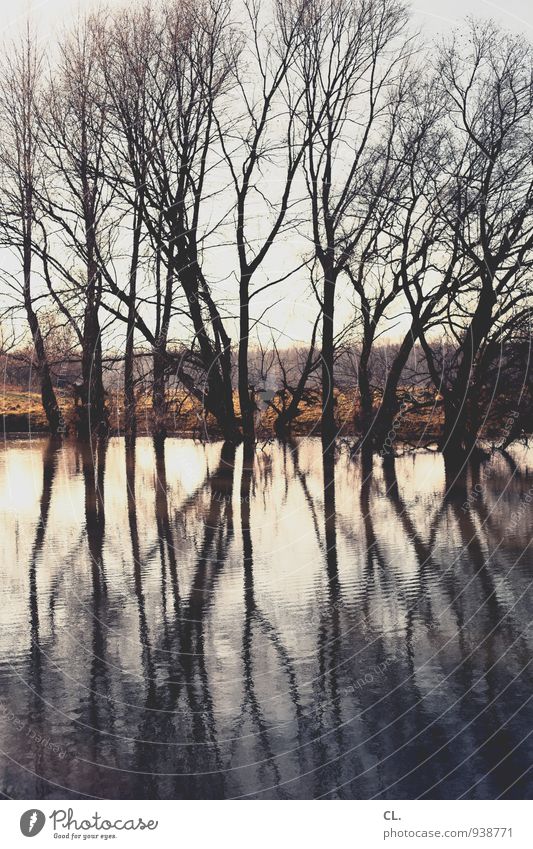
[[413, 276], [74, 202], [394, 252], [22, 68], [169, 153], [487, 81], [263, 145], [352, 56], [127, 43]]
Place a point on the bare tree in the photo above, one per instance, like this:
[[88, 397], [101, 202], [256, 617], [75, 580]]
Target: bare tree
[[401, 263], [351, 58], [263, 148], [74, 201], [127, 43], [487, 78], [169, 151], [394, 249], [20, 172]]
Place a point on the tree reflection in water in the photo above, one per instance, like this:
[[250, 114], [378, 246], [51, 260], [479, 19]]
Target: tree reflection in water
[[188, 620]]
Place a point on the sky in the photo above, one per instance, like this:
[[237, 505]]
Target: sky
[[433, 16], [292, 313], [438, 16]]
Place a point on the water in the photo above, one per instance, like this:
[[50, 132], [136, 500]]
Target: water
[[189, 626]]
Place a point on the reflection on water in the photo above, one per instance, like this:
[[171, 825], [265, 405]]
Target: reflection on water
[[188, 622]]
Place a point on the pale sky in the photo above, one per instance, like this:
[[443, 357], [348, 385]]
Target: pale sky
[[433, 16], [438, 17]]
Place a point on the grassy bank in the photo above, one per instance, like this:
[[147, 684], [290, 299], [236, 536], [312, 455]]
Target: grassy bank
[[22, 412]]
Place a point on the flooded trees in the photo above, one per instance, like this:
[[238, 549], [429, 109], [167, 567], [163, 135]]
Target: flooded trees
[[194, 162], [350, 61], [74, 202], [263, 146], [21, 171], [167, 70], [486, 79], [126, 43], [396, 253]]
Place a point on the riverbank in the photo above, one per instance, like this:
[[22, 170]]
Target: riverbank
[[22, 412]]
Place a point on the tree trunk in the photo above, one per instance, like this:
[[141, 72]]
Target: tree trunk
[[159, 405], [284, 420], [245, 400], [365, 392], [48, 396], [329, 429], [218, 399], [130, 412], [457, 440], [219, 373], [460, 428], [92, 419], [389, 403]]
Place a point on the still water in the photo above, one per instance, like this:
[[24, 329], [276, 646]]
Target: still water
[[187, 624]]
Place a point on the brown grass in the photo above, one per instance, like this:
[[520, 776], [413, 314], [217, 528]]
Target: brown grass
[[22, 410]]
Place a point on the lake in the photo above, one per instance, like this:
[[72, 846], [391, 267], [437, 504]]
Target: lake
[[190, 623]]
